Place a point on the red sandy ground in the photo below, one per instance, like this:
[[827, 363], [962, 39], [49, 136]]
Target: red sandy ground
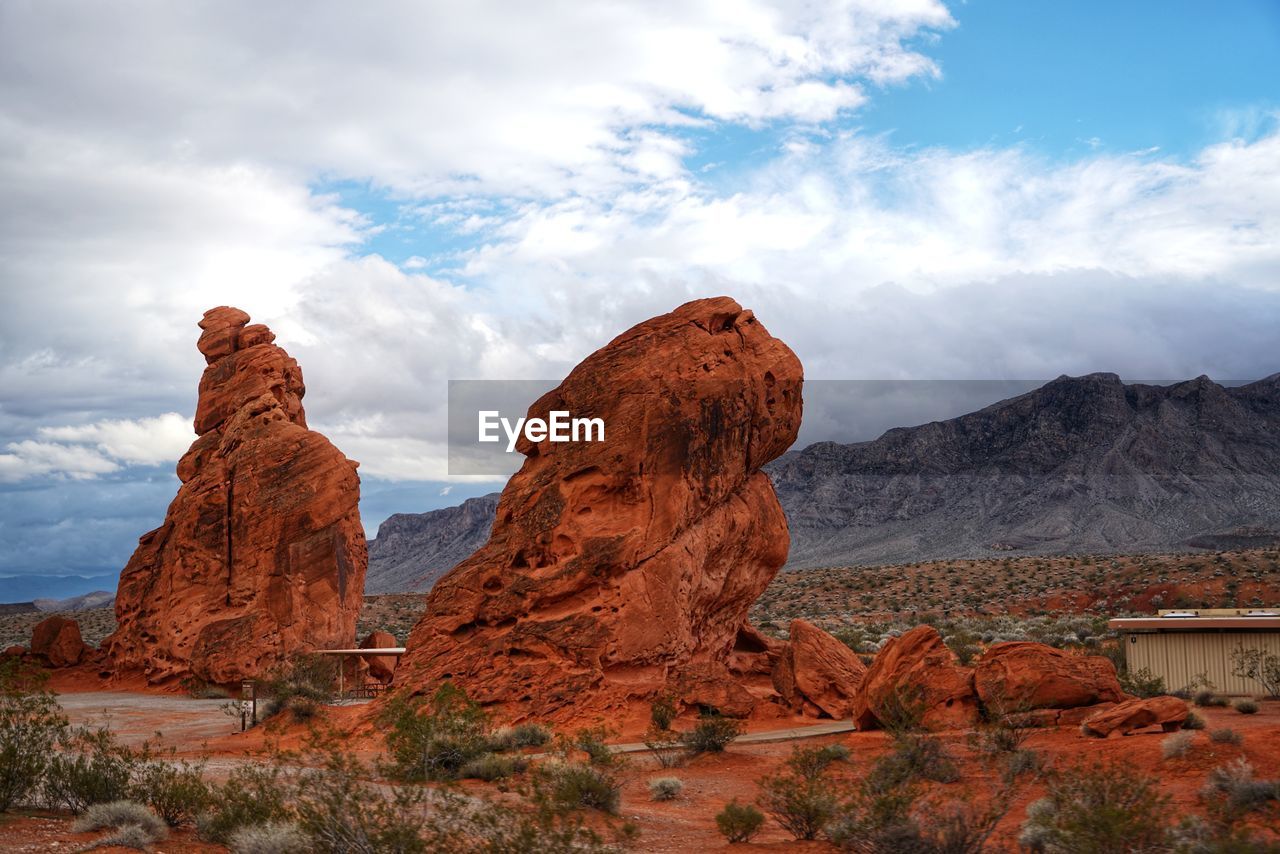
[[710, 781]]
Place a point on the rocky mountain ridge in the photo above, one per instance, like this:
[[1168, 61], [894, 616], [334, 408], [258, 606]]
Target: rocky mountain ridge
[[1080, 465]]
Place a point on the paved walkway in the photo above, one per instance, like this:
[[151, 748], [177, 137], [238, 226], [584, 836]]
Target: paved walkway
[[789, 734]]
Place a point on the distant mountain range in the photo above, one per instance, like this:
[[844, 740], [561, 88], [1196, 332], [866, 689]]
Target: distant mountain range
[[1079, 465], [25, 589]]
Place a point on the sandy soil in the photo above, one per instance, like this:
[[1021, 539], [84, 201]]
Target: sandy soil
[[199, 727]]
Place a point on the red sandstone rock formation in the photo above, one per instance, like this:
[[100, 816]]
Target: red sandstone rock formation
[[817, 673], [622, 568], [57, 640], [917, 672], [1019, 676], [1169, 712], [381, 667], [261, 554]]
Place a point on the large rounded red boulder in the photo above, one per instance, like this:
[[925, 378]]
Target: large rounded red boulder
[[620, 569], [1020, 675], [916, 676], [57, 640], [817, 673]]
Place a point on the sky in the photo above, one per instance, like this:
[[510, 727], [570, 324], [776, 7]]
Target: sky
[[410, 193]]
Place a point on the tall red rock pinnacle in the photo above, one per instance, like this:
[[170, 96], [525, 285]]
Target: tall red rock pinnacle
[[622, 568], [261, 554]]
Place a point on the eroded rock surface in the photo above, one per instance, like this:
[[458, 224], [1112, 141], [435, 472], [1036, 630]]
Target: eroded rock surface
[[261, 554], [915, 675], [817, 673], [622, 568], [1019, 676], [381, 667]]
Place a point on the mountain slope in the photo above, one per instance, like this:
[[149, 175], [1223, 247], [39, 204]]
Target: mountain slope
[[412, 550], [1084, 464]]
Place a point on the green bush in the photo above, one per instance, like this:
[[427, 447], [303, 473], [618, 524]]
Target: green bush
[[301, 686], [1205, 698], [340, 813], [1246, 707], [251, 795], [573, 785], [666, 746], [915, 756], [31, 725], [665, 788], [1235, 785], [1142, 683], [1226, 736], [1193, 721], [530, 735], [1098, 808], [663, 711], [130, 836], [433, 738], [739, 822], [1259, 665], [270, 838], [91, 768], [177, 791], [800, 798], [592, 741], [711, 734]]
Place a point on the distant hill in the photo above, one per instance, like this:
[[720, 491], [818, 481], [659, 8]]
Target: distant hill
[[1080, 465], [412, 550], [96, 599], [27, 588]]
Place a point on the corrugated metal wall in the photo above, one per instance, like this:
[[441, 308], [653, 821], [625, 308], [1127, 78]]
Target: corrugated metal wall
[[1179, 657]]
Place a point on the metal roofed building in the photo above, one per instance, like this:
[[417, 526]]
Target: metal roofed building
[[1180, 645]]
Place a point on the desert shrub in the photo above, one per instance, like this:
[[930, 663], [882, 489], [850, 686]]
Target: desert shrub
[[574, 785], [491, 766], [1235, 785], [530, 735], [118, 814], [1021, 762], [177, 791], [270, 838], [811, 762], [1177, 745], [1142, 683], [1094, 809], [915, 756], [1193, 721], [340, 813], [801, 798], [665, 788], [1226, 736], [1000, 731], [1205, 698], [130, 836], [663, 711], [251, 795], [31, 724], [91, 768], [666, 746], [301, 686], [711, 734], [891, 822], [1259, 665], [902, 711], [453, 822], [433, 738], [739, 822], [1246, 707], [593, 742]]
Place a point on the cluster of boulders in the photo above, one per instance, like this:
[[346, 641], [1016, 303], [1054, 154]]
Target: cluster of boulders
[[616, 571], [916, 678]]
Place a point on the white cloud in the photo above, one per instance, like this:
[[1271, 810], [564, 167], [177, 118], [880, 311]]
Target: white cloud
[[30, 458], [149, 441]]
